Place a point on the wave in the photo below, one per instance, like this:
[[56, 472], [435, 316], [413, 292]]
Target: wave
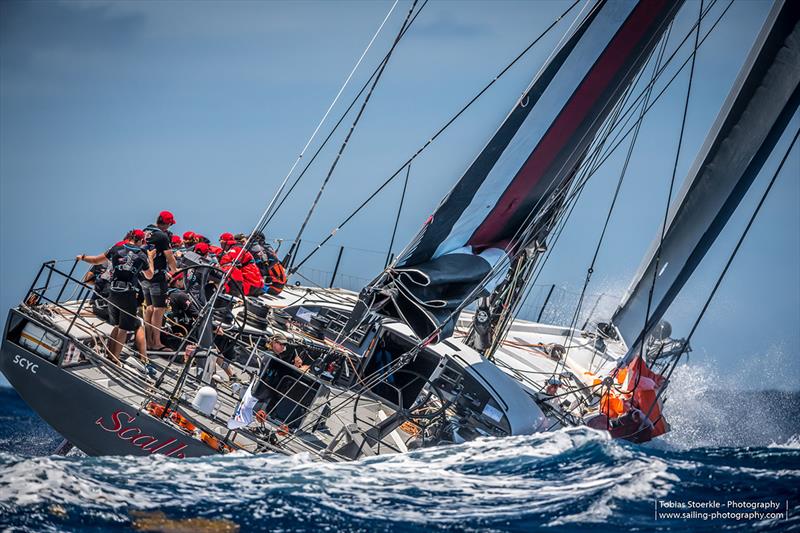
[[565, 479]]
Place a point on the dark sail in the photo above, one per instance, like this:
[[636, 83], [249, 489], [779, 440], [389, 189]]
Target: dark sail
[[494, 209], [762, 102]]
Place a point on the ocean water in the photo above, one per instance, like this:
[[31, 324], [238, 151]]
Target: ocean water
[[568, 480]]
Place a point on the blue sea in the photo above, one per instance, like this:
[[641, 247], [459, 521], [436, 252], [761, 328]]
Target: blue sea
[[741, 452]]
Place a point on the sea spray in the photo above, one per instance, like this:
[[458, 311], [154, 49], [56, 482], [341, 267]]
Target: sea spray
[[703, 413]]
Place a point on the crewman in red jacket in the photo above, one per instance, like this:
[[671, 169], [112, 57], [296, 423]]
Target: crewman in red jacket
[[244, 271]]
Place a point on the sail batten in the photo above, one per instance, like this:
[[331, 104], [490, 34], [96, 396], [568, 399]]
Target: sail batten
[[508, 196]]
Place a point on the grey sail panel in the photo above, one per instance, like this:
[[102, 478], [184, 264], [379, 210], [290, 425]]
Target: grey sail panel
[[752, 120]]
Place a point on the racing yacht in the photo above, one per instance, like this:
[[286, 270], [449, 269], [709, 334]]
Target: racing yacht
[[431, 352]]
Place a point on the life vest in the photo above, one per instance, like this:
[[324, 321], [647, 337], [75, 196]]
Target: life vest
[[127, 261], [245, 271], [276, 277], [228, 265], [252, 282]]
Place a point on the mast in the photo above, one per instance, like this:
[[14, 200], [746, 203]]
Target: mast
[[754, 116], [505, 201]]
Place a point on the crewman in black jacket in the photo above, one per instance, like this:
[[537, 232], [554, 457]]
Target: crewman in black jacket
[[128, 260], [155, 289]]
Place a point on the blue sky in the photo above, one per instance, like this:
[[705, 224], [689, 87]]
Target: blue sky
[[113, 111]]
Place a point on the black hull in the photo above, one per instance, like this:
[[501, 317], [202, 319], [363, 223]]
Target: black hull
[[91, 419]]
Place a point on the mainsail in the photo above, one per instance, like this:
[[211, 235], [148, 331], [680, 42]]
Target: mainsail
[[755, 114], [507, 198]]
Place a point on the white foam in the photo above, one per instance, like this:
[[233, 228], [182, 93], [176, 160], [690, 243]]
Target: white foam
[[792, 443], [485, 478]]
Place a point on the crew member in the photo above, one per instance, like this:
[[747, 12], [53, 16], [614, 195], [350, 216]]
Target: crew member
[[248, 274], [266, 387], [177, 281], [275, 279], [216, 251], [261, 250], [233, 285], [155, 289], [99, 276], [226, 240], [263, 388], [128, 260], [201, 249], [183, 314]]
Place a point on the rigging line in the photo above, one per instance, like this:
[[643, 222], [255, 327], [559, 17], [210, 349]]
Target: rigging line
[[594, 152], [725, 269], [325, 116], [512, 310], [519, 237], [330, 134], [671, 188], [561, 41], [631, 147], [628, 113], [494, 271], [620, 139], [341, 89], [337, 298], [353, 126], [397, 219], [257, 227], [442, 129], [620, 136]]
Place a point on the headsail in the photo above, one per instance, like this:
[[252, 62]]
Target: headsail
[[755, 114], [505, 200]]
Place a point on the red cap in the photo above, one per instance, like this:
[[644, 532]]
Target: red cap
[[138, 234], [201, 248], [225, 237], [176, 240], [189, 235], [165, 217]]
